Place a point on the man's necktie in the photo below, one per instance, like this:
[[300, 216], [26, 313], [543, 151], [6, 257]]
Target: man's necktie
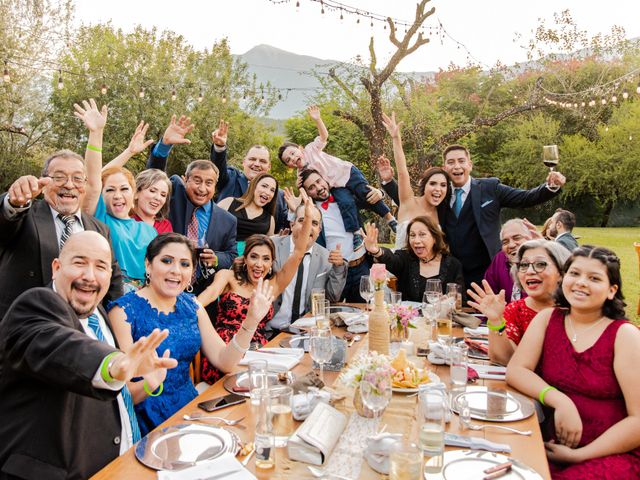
[[326, 203], [457, 206], [69, 222], [297, 291], [192, 234], [126, 394]]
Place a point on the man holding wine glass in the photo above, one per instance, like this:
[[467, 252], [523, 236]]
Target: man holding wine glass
[[472, 221]]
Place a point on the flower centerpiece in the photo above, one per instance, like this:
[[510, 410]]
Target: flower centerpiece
[[372, 379], [401, 321], [379, 317]]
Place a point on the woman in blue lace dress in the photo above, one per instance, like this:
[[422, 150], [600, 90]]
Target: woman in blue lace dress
[[162, 303]]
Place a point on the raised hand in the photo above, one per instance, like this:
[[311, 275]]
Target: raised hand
[[155, 378], [93, 118], [374, 195], [385, 170], [533, 231], [219, 135], [141, 358], [261, 300], [391, 125], [177, 130], [556, 179], [290, 199], [486, 301], [137, 143], [314, 112], [371, 238], [335, 256], [25, 189]]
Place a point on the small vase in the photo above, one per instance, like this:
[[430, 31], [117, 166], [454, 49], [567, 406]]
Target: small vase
[[398, 333], [359, 405], [379, 325]]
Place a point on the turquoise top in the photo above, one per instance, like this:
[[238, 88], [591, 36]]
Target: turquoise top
[[130, 240]]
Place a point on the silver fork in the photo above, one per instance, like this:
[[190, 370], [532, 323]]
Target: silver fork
[[197, 417], [470, 426]]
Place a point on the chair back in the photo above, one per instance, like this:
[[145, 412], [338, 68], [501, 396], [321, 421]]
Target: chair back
[[195, 369]]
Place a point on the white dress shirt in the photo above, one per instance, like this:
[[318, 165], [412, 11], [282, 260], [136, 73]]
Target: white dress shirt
[[335, 233], [282, 319], [466, 188], [77, 227]]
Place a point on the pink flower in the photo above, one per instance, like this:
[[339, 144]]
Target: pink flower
[[378, 274]]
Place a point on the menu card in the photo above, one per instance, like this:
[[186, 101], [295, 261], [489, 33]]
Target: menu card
[[315, 439]]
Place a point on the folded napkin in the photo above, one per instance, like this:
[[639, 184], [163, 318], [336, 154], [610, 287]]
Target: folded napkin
[[226, 466], [477, 332], [466, 319], [490, 372], [355, 322], [304, 322], [438, 353], [378, 449], [303, 404], [280, 357]]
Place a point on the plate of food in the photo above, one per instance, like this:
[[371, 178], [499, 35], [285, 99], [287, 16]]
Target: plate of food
[[408, 377]]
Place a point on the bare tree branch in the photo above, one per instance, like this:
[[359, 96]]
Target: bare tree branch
[[372, 64], [345, 88], [363, 126], [13, 129]]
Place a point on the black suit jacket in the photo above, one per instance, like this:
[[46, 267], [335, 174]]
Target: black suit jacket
[[28, 245], [53, 423]]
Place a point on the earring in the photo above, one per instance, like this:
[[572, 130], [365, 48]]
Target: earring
[[189, 288], [147, 278], [244, 267], [270, 270]]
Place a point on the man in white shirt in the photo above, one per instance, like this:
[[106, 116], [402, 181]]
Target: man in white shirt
[[60, 412], [319, 268], [337, 227]]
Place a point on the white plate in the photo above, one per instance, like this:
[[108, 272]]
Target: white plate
[[434, 379], [470, 465]]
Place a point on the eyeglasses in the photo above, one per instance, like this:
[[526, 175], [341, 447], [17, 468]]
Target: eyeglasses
[[538, 267], [60, 180]]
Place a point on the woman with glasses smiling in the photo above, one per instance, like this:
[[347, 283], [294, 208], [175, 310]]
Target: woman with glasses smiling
[[538, 271]]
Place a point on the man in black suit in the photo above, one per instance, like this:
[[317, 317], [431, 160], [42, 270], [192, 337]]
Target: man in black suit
[[61, 411], [472, 219], [31, 231], [192, 211]]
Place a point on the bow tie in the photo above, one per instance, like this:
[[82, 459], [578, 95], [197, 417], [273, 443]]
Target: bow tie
[[326, 203]]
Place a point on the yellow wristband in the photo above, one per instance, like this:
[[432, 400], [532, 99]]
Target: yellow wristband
[[94, 149], [148, 390], [543, 392], [498, 328], [104, 368]]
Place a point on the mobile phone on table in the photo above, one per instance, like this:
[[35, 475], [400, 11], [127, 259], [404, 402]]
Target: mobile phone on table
[[221, 402]]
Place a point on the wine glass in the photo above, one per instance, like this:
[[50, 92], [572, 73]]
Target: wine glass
[[375, 391], [366, 289], [321, 347], [550, 158], [433, 291]]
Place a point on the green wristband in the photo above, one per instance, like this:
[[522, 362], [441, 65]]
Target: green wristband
[[104, 368], [148, 390], [498, 328], [94, 149], [543, 392]]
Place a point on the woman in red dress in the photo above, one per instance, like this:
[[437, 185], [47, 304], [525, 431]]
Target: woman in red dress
[[580, 361], [538, 271]]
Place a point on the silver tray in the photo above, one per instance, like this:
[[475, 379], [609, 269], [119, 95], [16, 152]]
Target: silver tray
[[296, 341], [185, 445], [241, 379], [470, 464], [494, 405]]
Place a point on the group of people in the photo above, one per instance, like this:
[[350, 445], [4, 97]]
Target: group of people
[[113, 283]]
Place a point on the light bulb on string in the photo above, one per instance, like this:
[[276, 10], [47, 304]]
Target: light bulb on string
[[575, 105], [630, 137], [298, 6], [606, 129], [341, 16], [592, 103], [603, 101], [5, 76], [60, 82], [583, 104], [224, 99], [279, 96], [173, 95], [103, 89], [625, 94], [200, 96], [371, 22], [141, 92], [358, 20], [614, 99]]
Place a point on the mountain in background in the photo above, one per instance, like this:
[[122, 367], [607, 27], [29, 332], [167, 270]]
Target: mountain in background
[[289, 70]]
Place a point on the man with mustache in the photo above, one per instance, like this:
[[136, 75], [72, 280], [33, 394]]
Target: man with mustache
[[64, 409], [33, 231]]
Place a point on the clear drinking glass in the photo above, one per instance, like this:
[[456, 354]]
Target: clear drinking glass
[[459, 362], [321, 347], [258, 379], [550, 158], [433, 290], [322, 313], [444, 321], [434, 405], [405, 461], [366, 289], [317, 295], [455, 295], [263, 439], [374, 398], [282, 425], [394, 298]]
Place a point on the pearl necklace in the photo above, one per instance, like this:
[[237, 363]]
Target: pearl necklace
[[574, 338]]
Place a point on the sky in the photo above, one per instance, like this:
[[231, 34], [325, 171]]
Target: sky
[[486, 28]]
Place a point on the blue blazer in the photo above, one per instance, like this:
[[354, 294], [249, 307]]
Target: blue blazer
[[221, 233], [489, 197]]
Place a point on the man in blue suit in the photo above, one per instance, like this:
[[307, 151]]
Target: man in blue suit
[[472, 220], [233, 182], [192, 211]]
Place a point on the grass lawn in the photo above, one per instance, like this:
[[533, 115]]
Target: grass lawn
[[620, 240]]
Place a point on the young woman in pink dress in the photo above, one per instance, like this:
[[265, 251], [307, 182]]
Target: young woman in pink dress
[[580, 360]]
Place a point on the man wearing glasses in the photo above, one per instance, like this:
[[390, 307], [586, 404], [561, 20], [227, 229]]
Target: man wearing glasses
[[33, 231]]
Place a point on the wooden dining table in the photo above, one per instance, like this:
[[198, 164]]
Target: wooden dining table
[[399, 417]]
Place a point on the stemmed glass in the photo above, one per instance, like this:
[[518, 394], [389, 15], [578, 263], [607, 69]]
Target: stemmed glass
[[433, 291], [321, 347], [366, 289], [550, 158], [375, 390]]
